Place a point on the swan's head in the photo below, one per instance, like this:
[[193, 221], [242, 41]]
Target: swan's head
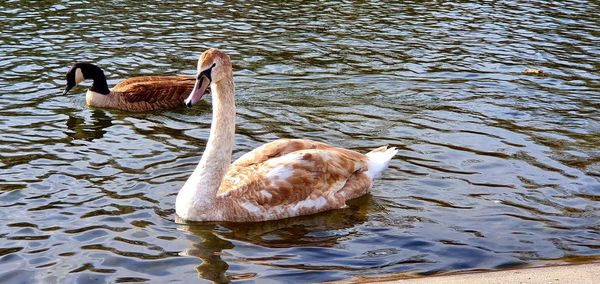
[[80, 72], [213, 66]]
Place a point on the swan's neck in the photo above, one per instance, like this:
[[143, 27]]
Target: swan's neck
[[199, 192]]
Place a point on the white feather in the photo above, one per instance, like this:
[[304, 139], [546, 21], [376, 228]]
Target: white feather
[[266, 194], [78, 76], [280, 172], [379, 161], [251, 208]]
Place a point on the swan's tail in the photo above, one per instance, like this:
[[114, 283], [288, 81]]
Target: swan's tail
[[379, 160]]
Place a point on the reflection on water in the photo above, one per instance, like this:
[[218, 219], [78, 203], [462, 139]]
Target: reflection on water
[[497, 168], [81, 131], [270, 240]]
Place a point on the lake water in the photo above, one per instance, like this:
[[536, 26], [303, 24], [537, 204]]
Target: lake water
[[496, 168]]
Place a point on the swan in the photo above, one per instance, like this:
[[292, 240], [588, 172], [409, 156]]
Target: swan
[[137, 94], [280, 179]]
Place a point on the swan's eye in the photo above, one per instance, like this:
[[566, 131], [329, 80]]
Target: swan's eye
[[207, 72]]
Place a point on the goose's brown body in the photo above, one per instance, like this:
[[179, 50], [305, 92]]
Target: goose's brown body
[[144, 93]]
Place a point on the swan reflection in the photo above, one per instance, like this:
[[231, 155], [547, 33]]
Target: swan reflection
[[324, 230]]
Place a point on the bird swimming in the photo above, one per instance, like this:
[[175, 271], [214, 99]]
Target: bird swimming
[[280, 179], [136, 94]]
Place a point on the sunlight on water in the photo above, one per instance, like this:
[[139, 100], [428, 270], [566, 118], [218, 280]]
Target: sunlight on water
[[496, 168]]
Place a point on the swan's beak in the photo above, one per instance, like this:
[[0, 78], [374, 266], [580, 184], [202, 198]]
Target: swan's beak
[[68, 88], [200, 88]]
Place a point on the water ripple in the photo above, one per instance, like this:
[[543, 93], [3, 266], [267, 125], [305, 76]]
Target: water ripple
[[496, 168]]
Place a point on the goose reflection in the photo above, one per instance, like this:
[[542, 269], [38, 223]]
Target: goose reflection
[[80, 130], [319, 230]]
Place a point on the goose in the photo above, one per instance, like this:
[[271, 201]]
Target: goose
[[137, 94], [281, 179]]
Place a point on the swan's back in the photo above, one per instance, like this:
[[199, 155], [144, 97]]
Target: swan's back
[[293, 177]]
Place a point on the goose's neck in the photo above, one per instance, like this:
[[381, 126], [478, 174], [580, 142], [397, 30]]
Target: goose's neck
[[99, 86], [201, 188]]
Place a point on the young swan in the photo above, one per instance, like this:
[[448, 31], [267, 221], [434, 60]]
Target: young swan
[[280, 179], [137, 94]]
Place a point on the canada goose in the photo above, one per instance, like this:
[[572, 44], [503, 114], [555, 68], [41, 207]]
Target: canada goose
[[135, 94], [280, 179]]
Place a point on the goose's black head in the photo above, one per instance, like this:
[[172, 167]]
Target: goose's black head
[[82, 71]]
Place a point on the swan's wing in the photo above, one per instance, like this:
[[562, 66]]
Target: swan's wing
[[155, 89], [276, 149], [298, 183]]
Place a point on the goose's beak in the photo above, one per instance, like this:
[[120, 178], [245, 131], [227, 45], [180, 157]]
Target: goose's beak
[[200, 88], [68, 88]]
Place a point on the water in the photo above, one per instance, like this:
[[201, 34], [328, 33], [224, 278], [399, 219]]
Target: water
[[496, 168]]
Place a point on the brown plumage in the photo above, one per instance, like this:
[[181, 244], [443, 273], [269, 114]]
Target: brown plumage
[[281, 179], [137, 94], [292, 177], [145, 93]]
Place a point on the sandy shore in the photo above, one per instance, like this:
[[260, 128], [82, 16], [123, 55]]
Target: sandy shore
[[576, 273]]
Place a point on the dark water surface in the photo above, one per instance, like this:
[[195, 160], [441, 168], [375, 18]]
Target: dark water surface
[[496, 168]]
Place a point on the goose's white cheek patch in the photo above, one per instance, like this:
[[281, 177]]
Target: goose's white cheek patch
[[78, 76]]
